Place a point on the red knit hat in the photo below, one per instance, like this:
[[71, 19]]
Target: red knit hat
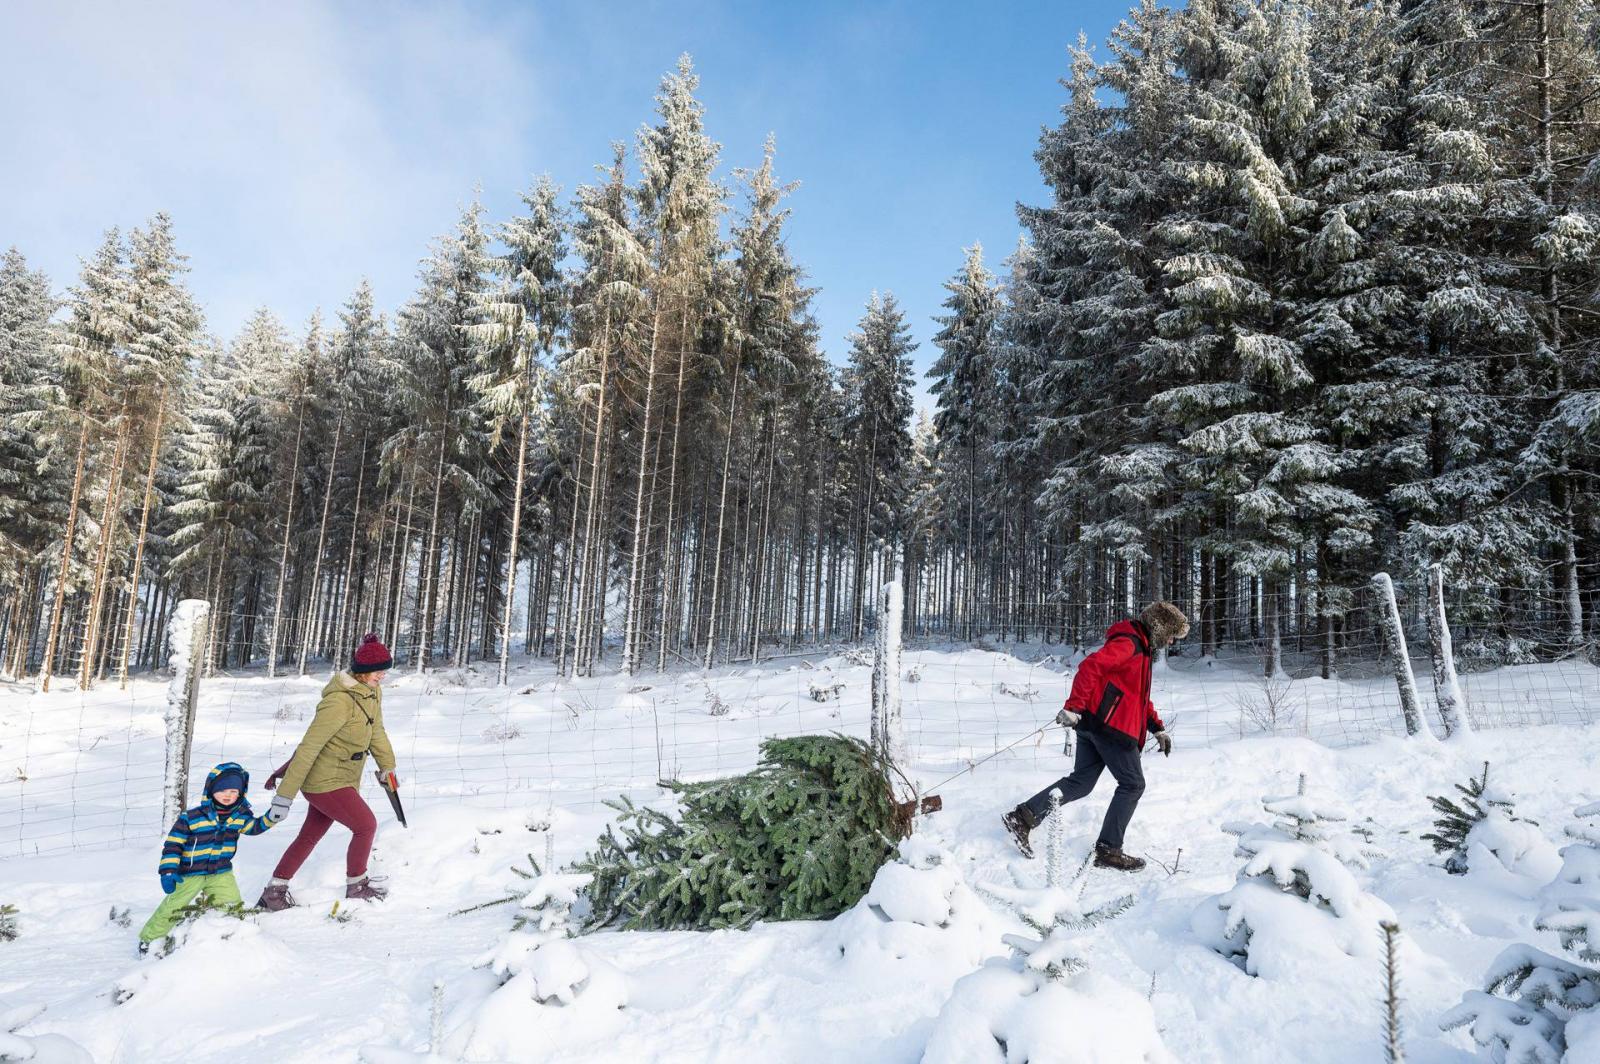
[[371, 656]]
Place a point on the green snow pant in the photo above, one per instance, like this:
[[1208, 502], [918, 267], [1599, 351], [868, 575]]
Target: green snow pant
[[221, 890]]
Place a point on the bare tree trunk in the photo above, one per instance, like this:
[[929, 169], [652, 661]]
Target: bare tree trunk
[[630, 635], [574, 590], [283, 555], [762, 552], [108, 522], [322, 537], [722, 510], [144, 527], [342, 636], [672, 490], [427, 593], [403, 559], [511, 551]]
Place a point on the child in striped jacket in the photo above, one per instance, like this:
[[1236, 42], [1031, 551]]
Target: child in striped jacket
[[197, 856]]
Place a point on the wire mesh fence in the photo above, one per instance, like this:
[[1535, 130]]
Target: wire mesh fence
[[84, 768]]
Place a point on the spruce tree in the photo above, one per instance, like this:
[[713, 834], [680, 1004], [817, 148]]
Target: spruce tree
[[798, 838], [524, 312], [33, 484], [966, 388], [877, 390]]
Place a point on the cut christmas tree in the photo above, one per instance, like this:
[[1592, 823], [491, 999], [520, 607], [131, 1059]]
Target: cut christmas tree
[[799, 838]]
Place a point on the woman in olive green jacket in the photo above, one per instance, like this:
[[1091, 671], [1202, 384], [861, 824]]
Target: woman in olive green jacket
[[326, 768]]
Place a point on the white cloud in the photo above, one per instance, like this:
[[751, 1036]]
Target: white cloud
[[298, 146]]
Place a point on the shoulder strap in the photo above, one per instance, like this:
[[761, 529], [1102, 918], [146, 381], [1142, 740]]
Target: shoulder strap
[[1139, 645]]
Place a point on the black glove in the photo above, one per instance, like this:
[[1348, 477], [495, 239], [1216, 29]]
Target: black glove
[[1068, 719], [1164, 743]]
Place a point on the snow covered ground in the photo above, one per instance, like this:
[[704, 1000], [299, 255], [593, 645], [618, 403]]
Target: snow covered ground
[[488, 773]]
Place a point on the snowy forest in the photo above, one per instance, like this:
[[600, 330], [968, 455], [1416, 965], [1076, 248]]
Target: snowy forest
[[1315, 293]]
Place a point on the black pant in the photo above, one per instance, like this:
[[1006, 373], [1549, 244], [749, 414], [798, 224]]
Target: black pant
[[1097, 751]]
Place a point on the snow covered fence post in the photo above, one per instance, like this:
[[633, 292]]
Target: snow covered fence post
[[186, 634], [888, 726], [1410, 702], [1446, 686]]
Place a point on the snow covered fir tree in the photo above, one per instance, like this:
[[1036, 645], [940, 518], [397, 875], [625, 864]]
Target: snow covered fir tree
[[1042, 1003], [1297, 907], [1539, 1006]]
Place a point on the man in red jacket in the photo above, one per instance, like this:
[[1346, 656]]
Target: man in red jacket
[[1111, 708]]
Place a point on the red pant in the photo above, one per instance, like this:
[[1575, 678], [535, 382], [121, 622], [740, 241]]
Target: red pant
[[346, 806]]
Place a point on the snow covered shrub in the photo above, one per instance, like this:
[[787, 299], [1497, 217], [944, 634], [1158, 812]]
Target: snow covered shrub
[[825, 692], [918, 905], [8, 923], [551, 990], [545, 897], [547, 901], [800, 837], [1456, 820], [1041, 1004], [502, 732], [1535, 1006], [1496, 652], [1268, 707], [1296, 906], [550, 985], [1482, 823]]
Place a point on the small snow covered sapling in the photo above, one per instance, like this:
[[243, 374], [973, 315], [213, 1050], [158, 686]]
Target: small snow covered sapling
[[1296, 902], [1536, 1006], [545, 898], [547, 902], [1054, 912], [8, 923], [1458, 818], [1393, 1042], [1038, 1003]]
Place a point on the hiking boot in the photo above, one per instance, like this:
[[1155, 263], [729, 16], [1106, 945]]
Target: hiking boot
[[275, 899], [364, 889], [1018, 824], [1113, 857]]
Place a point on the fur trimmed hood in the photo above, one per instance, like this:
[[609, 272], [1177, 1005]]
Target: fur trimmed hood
[[1165, 623]]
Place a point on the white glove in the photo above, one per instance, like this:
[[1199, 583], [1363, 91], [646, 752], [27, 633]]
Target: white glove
[[1164, 743], [279, 810], [1068, 719]]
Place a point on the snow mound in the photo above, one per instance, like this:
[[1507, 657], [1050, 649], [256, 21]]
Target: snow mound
[[1517, 845], [36, 1049], [918, 906], [555, 992], [212, 943], [999, 1015], [43, 1049]]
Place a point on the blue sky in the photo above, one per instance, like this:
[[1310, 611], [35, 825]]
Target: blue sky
[[300, 146]]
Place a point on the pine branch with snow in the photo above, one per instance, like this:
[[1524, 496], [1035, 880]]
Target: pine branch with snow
[[1533, 1000]]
